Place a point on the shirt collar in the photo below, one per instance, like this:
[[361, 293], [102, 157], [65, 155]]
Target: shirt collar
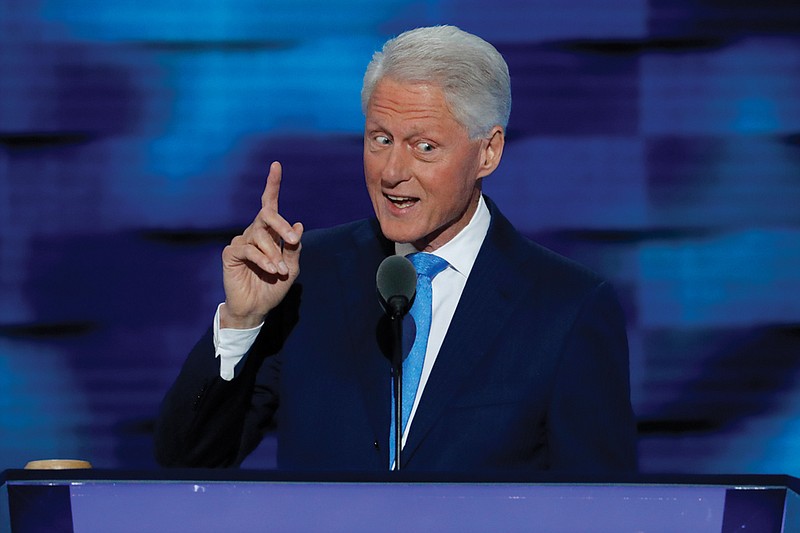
[[462, 250]]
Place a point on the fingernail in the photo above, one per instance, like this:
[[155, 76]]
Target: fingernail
[[292, 237], [283, 268]]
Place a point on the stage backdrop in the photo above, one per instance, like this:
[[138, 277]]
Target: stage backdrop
[[658, 141]]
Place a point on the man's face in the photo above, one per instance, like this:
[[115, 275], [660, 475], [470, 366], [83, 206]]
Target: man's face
[[422, 170]]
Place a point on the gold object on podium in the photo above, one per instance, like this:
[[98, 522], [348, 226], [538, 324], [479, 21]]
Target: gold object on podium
[[57, 464]]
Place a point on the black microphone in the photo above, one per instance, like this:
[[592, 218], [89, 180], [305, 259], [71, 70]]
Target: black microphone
[[397, 284]]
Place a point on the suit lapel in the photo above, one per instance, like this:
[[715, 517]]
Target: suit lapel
[[489, 300], [358, 263]]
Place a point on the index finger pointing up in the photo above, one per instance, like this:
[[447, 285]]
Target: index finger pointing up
[[269, 198]]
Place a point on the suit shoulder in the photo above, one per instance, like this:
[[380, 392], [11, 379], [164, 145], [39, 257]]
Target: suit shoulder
[[533, 260], [326, 240], [552, 263], [544, 266]]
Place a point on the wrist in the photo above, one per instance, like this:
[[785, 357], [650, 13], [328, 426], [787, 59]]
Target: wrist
[[228, 320]]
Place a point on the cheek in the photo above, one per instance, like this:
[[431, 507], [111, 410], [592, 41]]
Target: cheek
[[460, 183], [370, 171]]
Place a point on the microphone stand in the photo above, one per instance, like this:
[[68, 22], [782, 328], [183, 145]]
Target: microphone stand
[[397, 380]]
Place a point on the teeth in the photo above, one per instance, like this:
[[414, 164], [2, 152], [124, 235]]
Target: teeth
[[401, 201]]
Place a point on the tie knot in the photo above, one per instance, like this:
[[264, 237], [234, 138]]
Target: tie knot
[[428, 264]]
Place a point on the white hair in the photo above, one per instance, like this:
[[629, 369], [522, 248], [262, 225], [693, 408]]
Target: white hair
[[471, 73]]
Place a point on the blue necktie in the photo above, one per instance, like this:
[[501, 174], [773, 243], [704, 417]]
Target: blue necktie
[[427, 267]]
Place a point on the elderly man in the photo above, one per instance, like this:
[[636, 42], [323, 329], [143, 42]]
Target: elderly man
[[525, 365]]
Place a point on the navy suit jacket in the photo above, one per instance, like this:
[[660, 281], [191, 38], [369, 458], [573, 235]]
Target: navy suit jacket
[[532, 374]]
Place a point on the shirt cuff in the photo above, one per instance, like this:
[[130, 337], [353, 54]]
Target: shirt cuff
[[231, 345]]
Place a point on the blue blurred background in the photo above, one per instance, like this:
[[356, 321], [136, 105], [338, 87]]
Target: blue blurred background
[[657, 141]]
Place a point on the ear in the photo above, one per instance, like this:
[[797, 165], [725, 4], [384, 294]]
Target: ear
[[491, 151]]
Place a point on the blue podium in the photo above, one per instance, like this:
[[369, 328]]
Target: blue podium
[[81, 501]]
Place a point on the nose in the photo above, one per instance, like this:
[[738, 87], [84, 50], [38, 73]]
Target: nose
[[396, 168]]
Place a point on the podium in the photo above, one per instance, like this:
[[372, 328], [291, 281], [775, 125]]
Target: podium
[[81, 501]]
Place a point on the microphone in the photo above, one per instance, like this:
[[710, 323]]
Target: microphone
[[397, 284]]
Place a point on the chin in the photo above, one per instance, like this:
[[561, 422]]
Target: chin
[[398, 234]]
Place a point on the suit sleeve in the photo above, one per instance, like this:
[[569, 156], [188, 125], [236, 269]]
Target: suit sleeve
[[591, 425], [206, 421]]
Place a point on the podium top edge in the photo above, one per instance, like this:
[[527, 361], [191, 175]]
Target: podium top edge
[[544, 478]]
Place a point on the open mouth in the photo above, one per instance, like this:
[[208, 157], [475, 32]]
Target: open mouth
[[401, 202]]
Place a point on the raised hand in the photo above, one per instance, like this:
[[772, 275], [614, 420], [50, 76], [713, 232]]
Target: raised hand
[[260, 265]]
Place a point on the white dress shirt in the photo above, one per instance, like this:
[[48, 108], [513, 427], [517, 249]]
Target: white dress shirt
[[460, 252]]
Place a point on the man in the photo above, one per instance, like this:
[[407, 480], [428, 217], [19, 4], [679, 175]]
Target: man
[[526, 363]]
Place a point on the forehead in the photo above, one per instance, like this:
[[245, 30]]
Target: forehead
[[417, 102]]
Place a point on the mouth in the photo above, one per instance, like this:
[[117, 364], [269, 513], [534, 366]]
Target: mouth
[[401, 202]]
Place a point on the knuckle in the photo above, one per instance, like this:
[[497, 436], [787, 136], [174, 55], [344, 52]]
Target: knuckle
[[264, 217]]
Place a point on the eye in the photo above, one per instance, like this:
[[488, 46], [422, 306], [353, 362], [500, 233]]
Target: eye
[[382, 139], [424, 146]]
